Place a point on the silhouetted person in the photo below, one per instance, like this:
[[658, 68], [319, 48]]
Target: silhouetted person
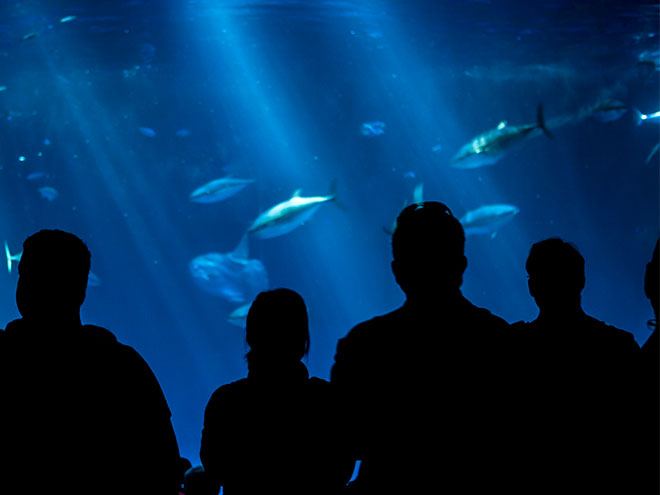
[[277, 430], [581, 396], [425, 386], [81, 413], [650, 375]]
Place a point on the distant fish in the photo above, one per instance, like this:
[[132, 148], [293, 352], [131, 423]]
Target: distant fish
[[231, 276], [218, 189], [147, 131], [641, 117], [3, 88], [608, 110], [489, 147], [239, 315], [289, 215], [92, 279], [68, 18], [437, 148], [36, 175], [376, 128], [487, 219], [182, 133], [29, 36], [49, 193]]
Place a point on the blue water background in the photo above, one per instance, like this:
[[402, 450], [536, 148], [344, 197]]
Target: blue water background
[[129, 107]]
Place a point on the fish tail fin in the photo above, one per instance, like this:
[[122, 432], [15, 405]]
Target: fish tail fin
[[540, 121], [10, 258], [638, 116], [332, 194]]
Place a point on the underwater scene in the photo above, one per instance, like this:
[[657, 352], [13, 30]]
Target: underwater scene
[[206, 150]]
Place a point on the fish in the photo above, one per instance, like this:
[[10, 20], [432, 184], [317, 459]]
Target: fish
[[36, 175], [375, 128], [487, 219], [641, 117], [488, 148], [147, 131], [289, 215], [218, 189], [232, 276], [181, 133], [238, 317], [92, 279], [29, 36], [608, 110], [68, 18], [49, 193]]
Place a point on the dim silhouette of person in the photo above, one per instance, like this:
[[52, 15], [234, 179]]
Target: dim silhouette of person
[[275, 431], [650, 374], [81, 413], [424, 387], [582, 392]]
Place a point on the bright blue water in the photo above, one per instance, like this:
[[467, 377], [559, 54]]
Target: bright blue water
[[129, 107]]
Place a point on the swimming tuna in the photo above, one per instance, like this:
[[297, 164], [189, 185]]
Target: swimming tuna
[[487, 219], [289, 215], [489, 147], [232, 276], [608, 110], [218, 189]]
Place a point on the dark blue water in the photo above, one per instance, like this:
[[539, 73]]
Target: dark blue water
[[129, 107]]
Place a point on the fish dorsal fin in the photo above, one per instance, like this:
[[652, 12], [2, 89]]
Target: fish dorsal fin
[[501, 125], [241, 251], [296, 193]]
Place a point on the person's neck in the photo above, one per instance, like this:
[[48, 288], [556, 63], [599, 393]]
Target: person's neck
[[435, 299], [66, 320]]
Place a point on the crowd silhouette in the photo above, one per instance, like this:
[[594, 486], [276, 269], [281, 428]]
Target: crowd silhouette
[[437, 396]]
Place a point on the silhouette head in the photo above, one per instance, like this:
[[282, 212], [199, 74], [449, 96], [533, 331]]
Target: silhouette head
[[277, 327], [556, 274], [652, 281], [428, 251], [53, 275]]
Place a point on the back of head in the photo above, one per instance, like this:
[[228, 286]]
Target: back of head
[[556, 273], [53, 274], [652, 281], [277, 327], [428, 250]]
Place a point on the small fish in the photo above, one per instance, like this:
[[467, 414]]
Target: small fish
[[36, 175], [487, 219], [3, 88], [641, 117], [289, 215], [182, 133], [68, 18], [29, 36], [218, 189], [49, 193], [490, 146], [437, 148], [147, 131], [376, 128]]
